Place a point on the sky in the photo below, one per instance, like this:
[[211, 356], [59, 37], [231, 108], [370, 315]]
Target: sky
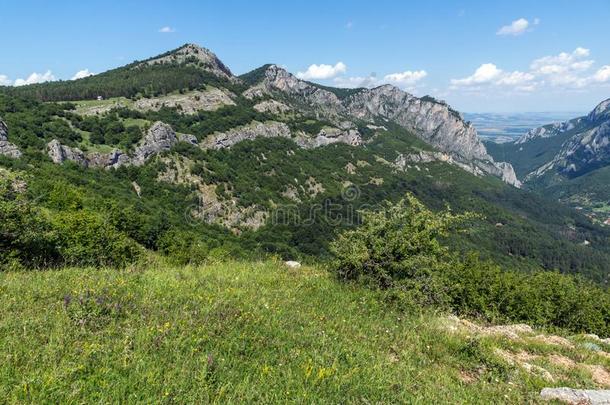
[[479, 56]]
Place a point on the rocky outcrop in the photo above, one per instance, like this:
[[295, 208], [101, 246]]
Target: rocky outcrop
[[586, 148], [328, 136], [192, 139], [201, 57], [251, 131], [272, 106], [189, 103], [431, 120], [272, 129], [159, 138], [7, 148], [60, 153], [112, 160]]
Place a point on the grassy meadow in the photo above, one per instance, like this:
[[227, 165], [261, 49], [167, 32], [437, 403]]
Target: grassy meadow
[[256, 332]]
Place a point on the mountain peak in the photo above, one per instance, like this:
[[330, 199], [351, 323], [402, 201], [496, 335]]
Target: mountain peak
[[602, 110], [193, 53]]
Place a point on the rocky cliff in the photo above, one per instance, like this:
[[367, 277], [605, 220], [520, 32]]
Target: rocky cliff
[[586, 148], [7, 148], [433, 121]]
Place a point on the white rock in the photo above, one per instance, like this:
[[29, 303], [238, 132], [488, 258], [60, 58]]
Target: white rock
[[292, 264]]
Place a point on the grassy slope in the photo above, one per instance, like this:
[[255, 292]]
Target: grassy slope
[[237, 332]]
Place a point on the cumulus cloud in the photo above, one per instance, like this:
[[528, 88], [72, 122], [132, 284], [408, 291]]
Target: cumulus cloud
[[488, 74], [517, 27], [405, 79], [603, 74], [567, 70], [167, 30], [81, 74], [36, 78], [321, 72], [5, 81], [485, 73]]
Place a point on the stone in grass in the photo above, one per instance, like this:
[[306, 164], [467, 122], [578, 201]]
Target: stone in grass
[[574, 396], [292, 264]]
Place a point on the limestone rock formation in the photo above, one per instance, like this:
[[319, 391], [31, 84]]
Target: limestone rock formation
[[192, 52], [60, 153], [431, 120], [159, 138], [7, 148], [251, 131]]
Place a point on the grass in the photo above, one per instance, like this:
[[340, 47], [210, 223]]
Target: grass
[[233, 333]]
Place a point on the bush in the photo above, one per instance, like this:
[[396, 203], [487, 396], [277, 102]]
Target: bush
[[183, 247], [84, 238], [397, 249], [25, 240]]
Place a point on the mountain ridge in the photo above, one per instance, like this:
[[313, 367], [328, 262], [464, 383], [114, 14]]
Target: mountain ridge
[[434, 122]]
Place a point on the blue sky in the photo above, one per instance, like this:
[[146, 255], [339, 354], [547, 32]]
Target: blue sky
[[550, 55]]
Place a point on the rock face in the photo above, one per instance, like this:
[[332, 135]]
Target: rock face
[[209, 100], [7, 148], [433, 121], [586, 148], [272, 129], [159, 138], [249, 132], [60, 153], [328, 136]]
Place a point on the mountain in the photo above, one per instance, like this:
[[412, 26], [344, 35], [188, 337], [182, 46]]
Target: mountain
[[178, 155], [566, 159]]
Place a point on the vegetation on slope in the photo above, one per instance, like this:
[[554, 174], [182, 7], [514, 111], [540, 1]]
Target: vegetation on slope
[[245, 332]]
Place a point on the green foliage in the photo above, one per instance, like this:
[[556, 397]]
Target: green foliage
[[398, 249], [131, 81], [183, 247], [85, 238], [246, 332], [25, 240]]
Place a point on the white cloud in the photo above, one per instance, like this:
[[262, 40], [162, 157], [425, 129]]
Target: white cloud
[[485, 73], [5, 81], [564, 71], [517, 27], [489, 74], [603, 74], [167, 30], [321, 72], [357, 81], [405, 79], [81, 74], [36, 78]]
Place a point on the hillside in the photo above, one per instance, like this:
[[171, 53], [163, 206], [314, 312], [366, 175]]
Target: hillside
[[232, 333], [257, 164], [567, 161]]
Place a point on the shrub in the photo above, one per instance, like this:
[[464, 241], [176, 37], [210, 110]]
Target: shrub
[[397, 249], [84, 238]]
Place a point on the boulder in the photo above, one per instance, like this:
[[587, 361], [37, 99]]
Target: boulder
[[292, 264], [60, 153], [574, 396]]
